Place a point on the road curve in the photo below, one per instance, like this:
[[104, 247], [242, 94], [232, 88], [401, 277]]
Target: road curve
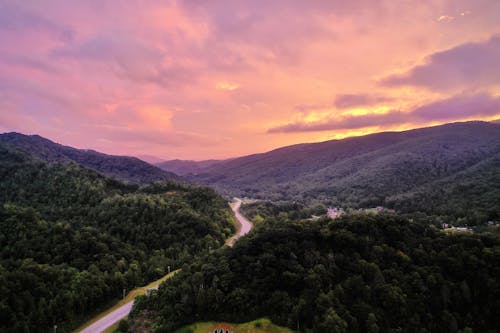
[[111, 318], [244, 224]]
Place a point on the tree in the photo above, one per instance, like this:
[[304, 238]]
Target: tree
[[371, 324], [332, 323]]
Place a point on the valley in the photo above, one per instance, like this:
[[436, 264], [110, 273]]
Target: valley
[[222, 166], [279, 253]]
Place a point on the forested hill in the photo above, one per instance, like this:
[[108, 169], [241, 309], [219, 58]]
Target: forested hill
[[359, 171], [120, 167], [359, 273], [471, 196], [71, 239]]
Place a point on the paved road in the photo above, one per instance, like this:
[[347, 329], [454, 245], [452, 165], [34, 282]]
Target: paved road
[[102, 324], [245, 225], [109, 319]]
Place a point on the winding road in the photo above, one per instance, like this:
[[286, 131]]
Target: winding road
[[244, 227]]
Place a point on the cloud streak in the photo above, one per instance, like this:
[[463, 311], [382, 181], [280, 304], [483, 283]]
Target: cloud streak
[[345, 101], [455, 108]]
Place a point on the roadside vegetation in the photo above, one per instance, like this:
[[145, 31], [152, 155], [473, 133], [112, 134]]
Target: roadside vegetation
[[262, 325]]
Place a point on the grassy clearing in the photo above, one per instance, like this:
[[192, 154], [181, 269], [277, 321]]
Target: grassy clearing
[[130, 297], [262, 325]]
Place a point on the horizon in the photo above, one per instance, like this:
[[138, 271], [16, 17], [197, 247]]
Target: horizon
[[152, 159], [198, 81]]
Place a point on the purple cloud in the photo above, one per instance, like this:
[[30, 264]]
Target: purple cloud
[[15, 18], [455, 108], [467, 65], [128, 57], [354, 100]]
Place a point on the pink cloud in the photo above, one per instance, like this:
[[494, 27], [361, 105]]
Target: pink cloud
[[202, 79]]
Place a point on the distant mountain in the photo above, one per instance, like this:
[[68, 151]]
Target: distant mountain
[[183, 167], [119, 167], [151, 159], [360, 171]]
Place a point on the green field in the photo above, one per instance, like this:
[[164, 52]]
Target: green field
[[262, 325]]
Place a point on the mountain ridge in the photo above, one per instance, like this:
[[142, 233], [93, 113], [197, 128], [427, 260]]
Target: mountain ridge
[[357, 171], [186, 167], [125, 168]]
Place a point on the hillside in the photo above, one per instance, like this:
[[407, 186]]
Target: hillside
[[72, 240], [359, 171], [185, 167], [120, 167], [473, 193], [360, 273]]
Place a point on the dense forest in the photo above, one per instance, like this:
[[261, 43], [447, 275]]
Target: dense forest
[[471, 197], [71, 240], [357, 273]]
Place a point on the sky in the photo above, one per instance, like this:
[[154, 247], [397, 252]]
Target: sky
[[217, 79]]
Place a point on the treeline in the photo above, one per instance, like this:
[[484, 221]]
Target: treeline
[[359, 273], [260, 211], [71, 240]]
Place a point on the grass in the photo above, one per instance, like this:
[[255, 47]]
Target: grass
[[130, 297], [112, 328], [262, 325]]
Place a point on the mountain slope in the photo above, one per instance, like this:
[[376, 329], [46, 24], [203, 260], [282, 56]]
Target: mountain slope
[[183, 167], [358, 171], [474, 192], [119, 167]]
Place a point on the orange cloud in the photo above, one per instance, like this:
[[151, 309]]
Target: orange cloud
[[445, 18], [226, 86], [154, 116]]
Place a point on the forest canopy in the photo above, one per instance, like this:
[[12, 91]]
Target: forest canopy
[[358, 273], [71, 240]]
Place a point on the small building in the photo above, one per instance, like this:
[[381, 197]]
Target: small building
[[220, 329], [334, 212]]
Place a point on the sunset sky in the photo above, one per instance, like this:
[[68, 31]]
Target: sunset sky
[[216, 79]]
